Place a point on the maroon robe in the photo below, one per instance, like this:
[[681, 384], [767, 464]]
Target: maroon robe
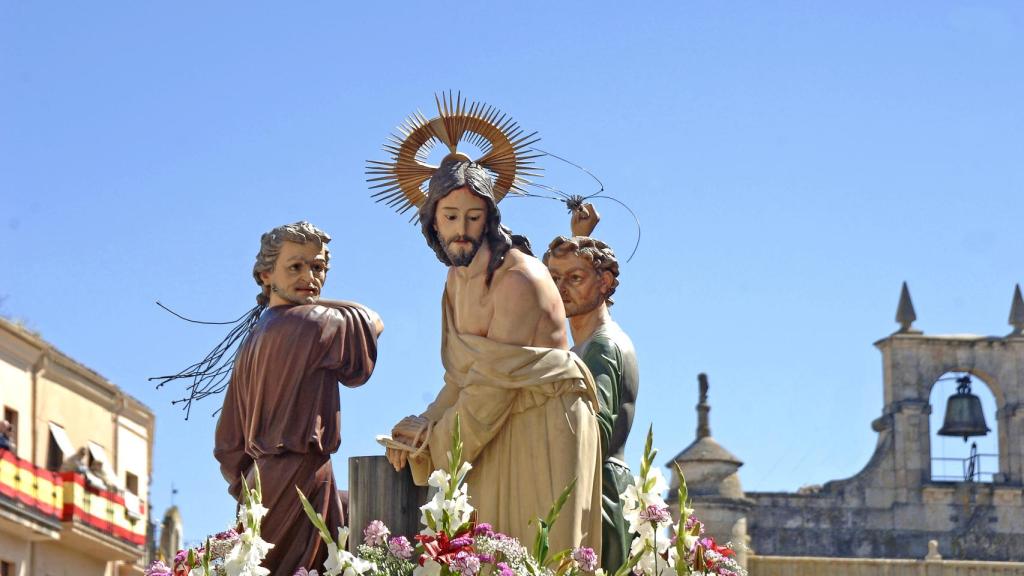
[[282, 410]]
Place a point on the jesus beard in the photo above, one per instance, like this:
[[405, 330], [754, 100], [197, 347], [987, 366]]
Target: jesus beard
[[461, 258]]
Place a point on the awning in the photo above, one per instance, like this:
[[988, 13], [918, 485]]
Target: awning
[[60, 436], [132, 505], [98, 454]]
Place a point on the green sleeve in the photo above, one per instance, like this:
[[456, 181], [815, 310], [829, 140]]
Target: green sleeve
[[604, 361]]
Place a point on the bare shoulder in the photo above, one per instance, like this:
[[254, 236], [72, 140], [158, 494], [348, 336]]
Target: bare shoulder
[[527, 307], [523, 279]]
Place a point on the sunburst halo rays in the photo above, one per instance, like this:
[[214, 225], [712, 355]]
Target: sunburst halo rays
[[506, 151]]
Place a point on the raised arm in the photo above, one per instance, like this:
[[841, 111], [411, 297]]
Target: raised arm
[[584, 220]]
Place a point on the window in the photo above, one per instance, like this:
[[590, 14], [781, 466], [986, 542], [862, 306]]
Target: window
[[6, 568], [11, 416], [132, 505], [60, 447], [131, 483]]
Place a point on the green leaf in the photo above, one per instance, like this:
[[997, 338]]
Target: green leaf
[[628, 566], [315, 518], [259, 483], [645, 461], [245, 492], [456, 454], [682, 554], [649, 485], [206, 558], [540, 542], [556, 508], [684, 492]]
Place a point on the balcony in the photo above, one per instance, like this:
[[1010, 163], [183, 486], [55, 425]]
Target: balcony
[[30, 499], [46, 505]]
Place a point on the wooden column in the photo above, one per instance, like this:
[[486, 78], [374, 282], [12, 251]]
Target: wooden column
[[377, 492]]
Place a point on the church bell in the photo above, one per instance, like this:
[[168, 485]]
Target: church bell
[[963, 413]]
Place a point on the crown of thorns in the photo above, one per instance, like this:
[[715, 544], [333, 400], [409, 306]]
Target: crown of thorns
[[401, 183]]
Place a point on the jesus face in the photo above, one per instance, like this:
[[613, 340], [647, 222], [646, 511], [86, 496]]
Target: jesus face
[[460, 221], [299, 274], [581, 287]]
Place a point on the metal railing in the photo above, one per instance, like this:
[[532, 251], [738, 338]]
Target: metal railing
[[974, 468]]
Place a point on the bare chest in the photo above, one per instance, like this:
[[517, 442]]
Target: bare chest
[[473, 306]]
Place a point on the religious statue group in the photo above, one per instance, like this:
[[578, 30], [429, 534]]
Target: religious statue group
[[534, 413]]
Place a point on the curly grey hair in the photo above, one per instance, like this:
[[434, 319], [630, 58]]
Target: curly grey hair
[[594, 251], [270, 247]]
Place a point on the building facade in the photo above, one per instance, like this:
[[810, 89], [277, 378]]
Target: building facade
[[75, 465], [895, 507]]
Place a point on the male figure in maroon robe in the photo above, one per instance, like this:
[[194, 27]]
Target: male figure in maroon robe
[[282, 408]]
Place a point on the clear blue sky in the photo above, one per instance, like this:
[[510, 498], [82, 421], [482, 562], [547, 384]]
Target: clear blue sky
[[791, 162]]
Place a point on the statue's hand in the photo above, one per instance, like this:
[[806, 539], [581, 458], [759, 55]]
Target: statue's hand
[[584, 220], [409, 432], [397, 457]]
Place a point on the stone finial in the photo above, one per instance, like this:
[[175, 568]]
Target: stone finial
[[905, 314], [933, 551], [703, 427], [1017, 313]]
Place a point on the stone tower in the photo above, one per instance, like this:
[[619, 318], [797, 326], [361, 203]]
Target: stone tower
[[893, 506], [713, 483], [172, 534]]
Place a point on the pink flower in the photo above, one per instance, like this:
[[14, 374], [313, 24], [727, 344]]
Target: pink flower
[[483, 529], [376, 534], [586, 558], [158, 568], [229, 534], [656, 514], [466, 563], [504, 570], [691, 522], [400, 547]]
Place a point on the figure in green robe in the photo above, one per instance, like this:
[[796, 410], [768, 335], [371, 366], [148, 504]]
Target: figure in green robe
[[586, 272]]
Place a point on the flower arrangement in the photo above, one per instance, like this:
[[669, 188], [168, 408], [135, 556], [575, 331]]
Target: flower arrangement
[[228, 553], [452, 543], [688, 552]]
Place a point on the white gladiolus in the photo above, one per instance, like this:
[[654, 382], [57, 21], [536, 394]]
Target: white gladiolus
[[438, 479], [344, 563], [247, 555]]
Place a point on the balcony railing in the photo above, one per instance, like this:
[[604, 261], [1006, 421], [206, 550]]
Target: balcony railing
[[67, 497], [36, 489]]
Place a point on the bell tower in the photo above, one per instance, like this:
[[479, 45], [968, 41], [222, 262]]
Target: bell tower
[[912, 362], [894, 507]]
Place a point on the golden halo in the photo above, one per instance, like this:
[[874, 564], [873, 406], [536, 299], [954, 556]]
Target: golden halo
[[401, 182]]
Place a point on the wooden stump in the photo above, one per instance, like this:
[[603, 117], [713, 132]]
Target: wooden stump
[[377, 492]]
